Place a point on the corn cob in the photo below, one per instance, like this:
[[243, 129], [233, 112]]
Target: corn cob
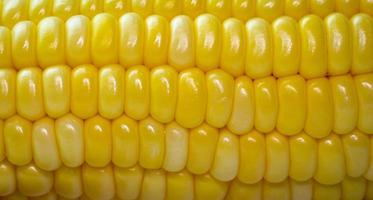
[[109, 105], [13, 11]]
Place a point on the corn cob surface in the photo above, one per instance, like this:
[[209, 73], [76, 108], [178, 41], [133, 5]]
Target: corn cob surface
[[192, 99]]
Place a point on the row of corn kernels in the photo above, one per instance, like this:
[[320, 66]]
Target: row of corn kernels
[[137, 183], [313, 47], [13, 11], [289, 104], [124, 142]]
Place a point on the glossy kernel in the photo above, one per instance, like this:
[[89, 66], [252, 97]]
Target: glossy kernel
[[33, 181], [7, 93], [364, 89], [277, 158]]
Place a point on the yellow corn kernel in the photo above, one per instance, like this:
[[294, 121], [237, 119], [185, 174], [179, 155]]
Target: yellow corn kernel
[[207, 35], [98, 183], [153, 185], [7, 179], [331, 162], [206, 187], [70, 140], [128, 182], [125, 142], [301, 190], [7, 93], [296, 8], [84, 91], [292, 104], [181, 49], [50, 42], [366, 7], [220, 86], [233, 47], [345, 103], [5, 48], [332, 192], [319, 118], [322, 7], [167, 8], [116, 7], [226, 161], [338, 41], [239, 191], [33, 181], [104, 45], [313, 51], [68, 182], [152, 144], [163, 93], [193, 8], [266, 104], [65, 8], [137, 92], [142, 7], [39, 9], [348, 8], [202, 145], [277, 158], [353, 188], [56, 90], [356, 146], [364, 88], [24, 55], [131, 39], [17, 140], [29, 93], [269, 9], [258, 48], [252, 158], [2, 145], [192, 98], [176, 147], [276, 191], [111, 91], [220, 8], [13, 11], [243, 9], [180, 185], [97, 141], [44, 145], [303, 157], [156, 40], [286, 47], [241, 119], [362, 43], [90, 8], [78, 36]]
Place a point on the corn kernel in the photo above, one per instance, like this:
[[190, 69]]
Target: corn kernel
[[24, 55], [131, 39], [5, 48], [50, 42], [153, 185], [301, 190], [97, 141], [128, 182], [207, 187], [353, 188], [77, 37], [332, 192], [125, 138], [296, 8], [13, 12], [252, 158], [17, 140], [90, 8], [167, 8], [104, 44], [70, 140], [276, 191], [176, 147], [364, 88], [142, 7], [269, 9], [116, 7], [98, 183], [239, 190], [39, 9], [7, 178], [33, 181], [322, 7], [369, 172], [7, 93], [68, 182], [193, 8], [180, 185], [44, 145], [348, 8], [220, 8], [243, 9], [277, 158]]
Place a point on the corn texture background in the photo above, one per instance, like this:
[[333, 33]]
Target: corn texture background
[[191, 99]]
